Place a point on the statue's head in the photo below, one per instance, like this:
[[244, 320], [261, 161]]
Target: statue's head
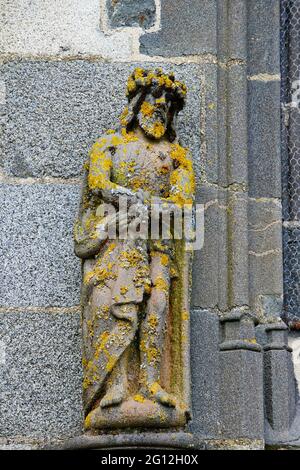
[[154, 102]]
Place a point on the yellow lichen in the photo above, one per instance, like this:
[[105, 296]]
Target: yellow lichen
[[161, 284], [124, 290], [147, 109], [139, 398], [157, 129], [179, 155], [184, 315]]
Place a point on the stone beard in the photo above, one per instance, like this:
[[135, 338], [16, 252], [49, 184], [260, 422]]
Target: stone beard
[[135, 292]]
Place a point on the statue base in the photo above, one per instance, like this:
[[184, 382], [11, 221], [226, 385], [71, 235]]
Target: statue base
[[156, 440], [136, 414]]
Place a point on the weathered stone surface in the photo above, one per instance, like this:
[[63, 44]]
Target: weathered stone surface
[[186, 29], [64, 27], [209, 162], [232, 30], [265, 256], [233, 139], [205, 373], [205, 265], [241, 394], [131, 13], [264, 139], [280, 391], [238, 275], [265, 229], [41, 378], [265, 276], [55, 112], [264, 45], [265, 221], [36, 246]]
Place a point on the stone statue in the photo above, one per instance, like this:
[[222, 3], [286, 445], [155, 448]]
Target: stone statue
[[135, 290]]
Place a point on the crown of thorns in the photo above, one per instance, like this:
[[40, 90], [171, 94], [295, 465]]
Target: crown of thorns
[[141, 79]]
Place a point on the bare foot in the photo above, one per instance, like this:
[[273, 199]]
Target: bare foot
[[161, 396], [114, 396]]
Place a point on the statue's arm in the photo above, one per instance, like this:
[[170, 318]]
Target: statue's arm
[[99, 177], [88, 237], [87, 244]]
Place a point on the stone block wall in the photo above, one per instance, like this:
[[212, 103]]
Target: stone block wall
[[62, 83]]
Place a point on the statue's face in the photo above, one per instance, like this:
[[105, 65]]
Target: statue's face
[[153, 114]]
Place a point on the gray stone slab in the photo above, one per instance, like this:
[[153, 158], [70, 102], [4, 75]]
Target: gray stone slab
[[60, 28], [263, 36], [242, 414], [265, 277], [205, 373], [209, 158], [232, 114], [56, 110], [186, 29], [223, 253], [205, 263], [232, 30], [40, 379], [265, 257], [280, 392], [265, 226], [264, 139], [38, 267], [131, 13], [238, 275]]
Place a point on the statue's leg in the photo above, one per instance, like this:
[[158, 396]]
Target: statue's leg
[[108, 360], [152, 331], [117, 382]]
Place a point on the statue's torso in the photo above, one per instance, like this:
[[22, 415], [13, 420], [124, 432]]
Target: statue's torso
[[142, 165]]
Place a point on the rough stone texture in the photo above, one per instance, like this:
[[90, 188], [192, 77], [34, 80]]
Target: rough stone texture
[[264, 139], [205, 265], [280, 390], [265, 225], [241, 394], [237, 249], [71, 27], [205, 373], [209, 158], [131, 13], [263, 27], [232, 111], [232, 30], [55, 111], [265, 256], [185, 29], [40, 381], [36, 245]]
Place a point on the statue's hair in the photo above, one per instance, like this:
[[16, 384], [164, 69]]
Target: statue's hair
[[141, 82]]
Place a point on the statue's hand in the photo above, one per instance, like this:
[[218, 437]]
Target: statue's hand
[[112, 196]]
